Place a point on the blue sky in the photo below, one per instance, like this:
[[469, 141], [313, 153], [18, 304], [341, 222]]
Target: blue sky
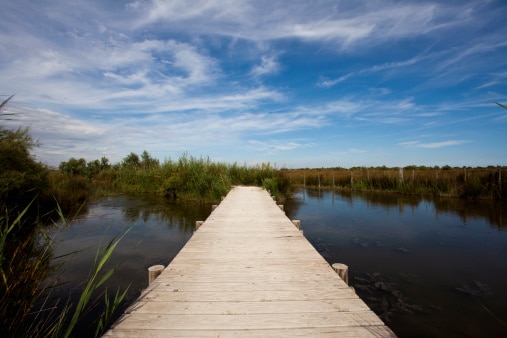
[[294, 83]]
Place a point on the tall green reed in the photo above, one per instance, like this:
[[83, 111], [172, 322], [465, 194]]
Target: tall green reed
[[28, 279]]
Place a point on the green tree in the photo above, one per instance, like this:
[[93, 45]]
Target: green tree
[[74, 166], [21, 177], [131, 161], [93, 167], [104, 163], [149, 162]]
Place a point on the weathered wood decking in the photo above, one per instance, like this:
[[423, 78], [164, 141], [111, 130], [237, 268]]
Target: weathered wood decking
[[248, 271]]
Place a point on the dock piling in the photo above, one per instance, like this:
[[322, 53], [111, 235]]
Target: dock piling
[[342, 270], [198, 224], [297, 223], [153, 272]]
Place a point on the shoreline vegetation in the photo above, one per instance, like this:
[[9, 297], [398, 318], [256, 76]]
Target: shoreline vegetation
[[465, 182], [200, 179]]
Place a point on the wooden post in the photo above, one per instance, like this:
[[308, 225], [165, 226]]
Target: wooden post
[[297, 223], [153, 272], [500, 181], [400, 175], [198, 224], [342, 270]]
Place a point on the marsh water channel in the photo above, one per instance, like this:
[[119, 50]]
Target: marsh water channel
[[427, 267]]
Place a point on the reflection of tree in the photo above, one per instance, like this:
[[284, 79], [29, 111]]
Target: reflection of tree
[[173, 213]]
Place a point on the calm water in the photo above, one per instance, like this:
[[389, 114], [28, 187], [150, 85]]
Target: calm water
[[157, 230], [429, 268]]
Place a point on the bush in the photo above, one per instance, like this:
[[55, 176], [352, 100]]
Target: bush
[[21, 177]]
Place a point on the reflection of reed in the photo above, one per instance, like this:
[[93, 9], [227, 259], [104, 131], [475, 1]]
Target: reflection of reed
[[493, 211]]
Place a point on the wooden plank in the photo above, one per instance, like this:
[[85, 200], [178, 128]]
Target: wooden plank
[[246, 295], [142, 321], [248, 285], [344, 332], [155, 306], [248, 271]]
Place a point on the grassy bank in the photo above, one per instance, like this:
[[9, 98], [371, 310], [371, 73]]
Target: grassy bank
[[477, 183], [204, 180], [187, 178]]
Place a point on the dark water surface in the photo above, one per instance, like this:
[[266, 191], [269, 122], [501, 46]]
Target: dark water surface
[[156, 230], [429, 268]]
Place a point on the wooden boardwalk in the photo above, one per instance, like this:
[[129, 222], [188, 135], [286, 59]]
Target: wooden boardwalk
[[248, 272]]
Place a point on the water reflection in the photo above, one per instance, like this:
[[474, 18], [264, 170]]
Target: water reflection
[[158, 209], [157, 230], [494, 212], [429, 267]]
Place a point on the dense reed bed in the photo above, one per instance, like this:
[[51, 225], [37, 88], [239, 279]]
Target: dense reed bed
[[188, 178], [477, 183]]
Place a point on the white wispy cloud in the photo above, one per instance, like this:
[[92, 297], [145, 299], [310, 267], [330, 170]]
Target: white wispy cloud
[[434, 145], [396, 65], [269, 65], [324, 82], [342, 23], [276, 146], [61, 134], [100, 75]]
